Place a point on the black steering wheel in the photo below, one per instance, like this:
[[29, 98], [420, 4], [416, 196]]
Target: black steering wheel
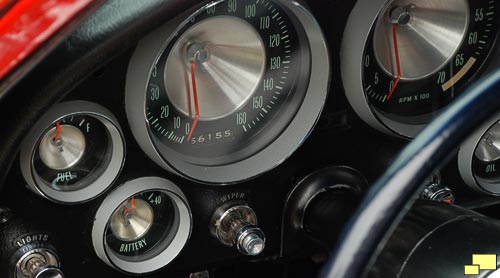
[[393, 194]]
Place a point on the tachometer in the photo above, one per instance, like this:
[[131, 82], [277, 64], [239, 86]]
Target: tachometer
[[231, 92], [417, 57]]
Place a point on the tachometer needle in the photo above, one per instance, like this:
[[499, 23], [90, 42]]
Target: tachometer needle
[[195, 99], [398, 63]]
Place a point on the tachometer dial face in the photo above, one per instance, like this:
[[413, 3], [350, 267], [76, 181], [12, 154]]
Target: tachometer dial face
[[438, 48], [419, 56], [225, 82], [231, 91]]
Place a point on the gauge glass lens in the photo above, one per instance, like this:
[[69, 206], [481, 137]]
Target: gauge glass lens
[[141, 225], [227, 83], [73, 152], [421, 54]]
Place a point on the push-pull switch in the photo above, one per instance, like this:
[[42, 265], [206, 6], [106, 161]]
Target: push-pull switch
[[39, 263], [237, 226]]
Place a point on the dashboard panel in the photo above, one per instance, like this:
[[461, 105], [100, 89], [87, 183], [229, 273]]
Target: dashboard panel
[[123, 174]]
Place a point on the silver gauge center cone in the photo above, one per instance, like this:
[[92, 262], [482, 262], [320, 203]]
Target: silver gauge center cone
[[129, 224], [64, 153], [488, 148], [430, 39], [229, 74]]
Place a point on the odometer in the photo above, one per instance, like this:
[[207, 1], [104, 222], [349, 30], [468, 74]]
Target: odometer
[[228, 84]]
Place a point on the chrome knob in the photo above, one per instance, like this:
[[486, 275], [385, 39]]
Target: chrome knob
[[251, 241], [237, 226], [438, 193], [39, 263], [50, 272]]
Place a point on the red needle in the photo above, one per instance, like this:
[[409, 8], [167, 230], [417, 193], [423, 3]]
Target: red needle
[[396, 53], [195, 98], [132, 202], [58, 132]]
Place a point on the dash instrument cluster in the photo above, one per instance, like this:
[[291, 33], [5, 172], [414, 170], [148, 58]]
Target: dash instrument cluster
[[215, 103]]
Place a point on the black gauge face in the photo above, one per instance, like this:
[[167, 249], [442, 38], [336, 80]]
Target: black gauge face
[[411, 71], [140, 225], [72, 153], [489, 171], [225, 86]]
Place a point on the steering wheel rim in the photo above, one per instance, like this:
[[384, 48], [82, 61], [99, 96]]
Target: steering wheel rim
[[392, 195]]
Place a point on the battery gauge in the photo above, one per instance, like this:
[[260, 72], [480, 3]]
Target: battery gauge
[[142, 225], [74, 152]]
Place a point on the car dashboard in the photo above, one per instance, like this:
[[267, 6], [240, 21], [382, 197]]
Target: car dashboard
[[232, 138]]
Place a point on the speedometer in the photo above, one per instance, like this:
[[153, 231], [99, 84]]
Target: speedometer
[[231, 92]]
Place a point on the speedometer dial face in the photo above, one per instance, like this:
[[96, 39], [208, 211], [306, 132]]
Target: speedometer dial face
[[420, 55], [231, 92], [220, 85]]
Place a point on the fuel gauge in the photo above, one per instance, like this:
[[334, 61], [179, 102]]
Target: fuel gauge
[[73, 153]]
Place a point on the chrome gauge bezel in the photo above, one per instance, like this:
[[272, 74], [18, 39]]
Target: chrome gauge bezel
[[163, 253], [466, 157], [95, 187], [264, 160]]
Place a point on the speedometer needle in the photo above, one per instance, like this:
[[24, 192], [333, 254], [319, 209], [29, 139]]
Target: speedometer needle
[[195, 99], [398, 64]]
